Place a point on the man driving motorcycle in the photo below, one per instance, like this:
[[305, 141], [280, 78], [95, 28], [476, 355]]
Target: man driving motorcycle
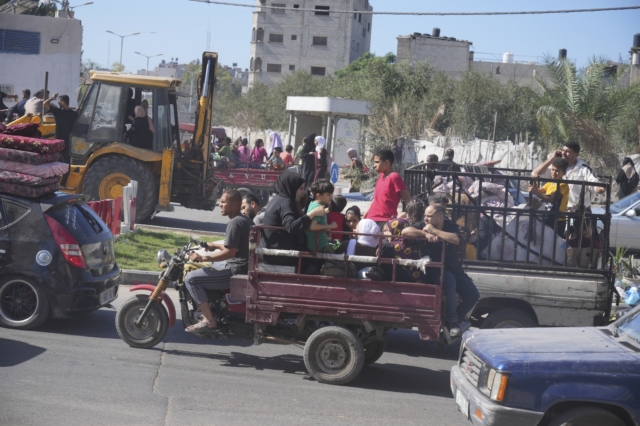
[[234, 250]]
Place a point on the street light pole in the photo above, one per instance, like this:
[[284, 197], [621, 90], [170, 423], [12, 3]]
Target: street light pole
[[121, 41], [152, 56]]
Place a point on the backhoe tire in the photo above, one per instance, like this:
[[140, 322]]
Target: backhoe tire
[[509, 318], [108, 175]]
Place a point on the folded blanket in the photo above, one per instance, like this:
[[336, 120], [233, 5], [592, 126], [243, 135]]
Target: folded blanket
[[41, 170], [23, 143], [29, 130], [28, 191], [28, 157], [29, 180]]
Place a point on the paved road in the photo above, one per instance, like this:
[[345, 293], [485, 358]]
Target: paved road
[[78, 372]]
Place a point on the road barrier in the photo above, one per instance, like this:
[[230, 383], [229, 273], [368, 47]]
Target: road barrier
[[119, 214]]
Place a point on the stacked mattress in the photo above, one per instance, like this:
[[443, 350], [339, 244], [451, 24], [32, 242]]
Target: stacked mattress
[[29, 166]]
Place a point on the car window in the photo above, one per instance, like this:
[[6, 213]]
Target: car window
[[3, 220], [625, 203], [14, 212], [80, 220]]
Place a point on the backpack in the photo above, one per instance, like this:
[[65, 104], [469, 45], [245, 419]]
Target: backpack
[[335, 268]]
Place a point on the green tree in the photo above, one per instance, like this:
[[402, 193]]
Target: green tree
[[584, 104], [117, 67]]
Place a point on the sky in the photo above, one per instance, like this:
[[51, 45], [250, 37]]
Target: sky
[[178, 29]]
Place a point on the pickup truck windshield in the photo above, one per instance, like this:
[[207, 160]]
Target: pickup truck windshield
[[630, 324]]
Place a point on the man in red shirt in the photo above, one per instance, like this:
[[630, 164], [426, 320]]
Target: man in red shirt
[[390, 189], [286, 156]]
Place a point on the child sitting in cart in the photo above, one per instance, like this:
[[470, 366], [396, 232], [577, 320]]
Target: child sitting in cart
[[322, 192]]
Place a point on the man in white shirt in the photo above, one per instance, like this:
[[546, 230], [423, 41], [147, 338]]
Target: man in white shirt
[[578, 170]]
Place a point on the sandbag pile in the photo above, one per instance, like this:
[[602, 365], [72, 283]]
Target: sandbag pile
[[29, 166]]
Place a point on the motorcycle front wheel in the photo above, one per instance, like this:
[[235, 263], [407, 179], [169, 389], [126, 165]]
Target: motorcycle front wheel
[[151, 331]]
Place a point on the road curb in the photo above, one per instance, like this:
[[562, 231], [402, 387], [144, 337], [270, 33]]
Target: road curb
[[178, 230]]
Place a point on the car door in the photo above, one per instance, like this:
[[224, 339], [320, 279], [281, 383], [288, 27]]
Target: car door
[[628, 229], [5, 243]]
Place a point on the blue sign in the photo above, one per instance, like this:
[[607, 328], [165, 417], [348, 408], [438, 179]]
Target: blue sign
[[335, 172]]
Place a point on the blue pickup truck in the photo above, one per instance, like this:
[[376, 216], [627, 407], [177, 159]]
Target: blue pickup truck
[[551, 376]]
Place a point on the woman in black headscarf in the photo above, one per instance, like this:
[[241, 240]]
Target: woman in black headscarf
[[627, 178], [307, 155], [283, 211]]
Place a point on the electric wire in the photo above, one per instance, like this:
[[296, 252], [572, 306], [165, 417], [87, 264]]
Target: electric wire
[[369, 12]]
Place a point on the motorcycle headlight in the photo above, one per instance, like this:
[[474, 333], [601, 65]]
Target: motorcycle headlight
[[163, 257], [497, 384]]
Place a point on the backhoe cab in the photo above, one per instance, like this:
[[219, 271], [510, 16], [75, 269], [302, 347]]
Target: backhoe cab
[[103, 160]]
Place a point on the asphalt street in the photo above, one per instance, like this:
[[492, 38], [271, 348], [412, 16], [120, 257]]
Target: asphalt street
[[78, 372]]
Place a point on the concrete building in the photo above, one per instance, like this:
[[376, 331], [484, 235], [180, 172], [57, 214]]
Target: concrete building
[[313, 39], [169, 69], [31, 45], [455, 57]]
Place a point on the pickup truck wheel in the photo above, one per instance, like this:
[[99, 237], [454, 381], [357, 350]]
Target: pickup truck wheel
[[108, 175], [587, 416], [374, 350], [509, 318], [334, 355]]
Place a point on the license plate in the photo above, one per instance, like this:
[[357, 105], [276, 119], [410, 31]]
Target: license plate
[[462, 403], [107, 296]]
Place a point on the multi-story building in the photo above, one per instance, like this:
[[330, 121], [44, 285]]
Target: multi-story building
[[316, 38]]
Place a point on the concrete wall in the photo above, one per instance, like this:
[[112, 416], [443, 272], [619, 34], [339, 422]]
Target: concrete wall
[[61, 60], [522, 73], [346, 40], [449, 56]]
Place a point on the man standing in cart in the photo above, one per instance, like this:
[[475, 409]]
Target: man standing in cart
[[234, 250], [436, 228], [578, 170]]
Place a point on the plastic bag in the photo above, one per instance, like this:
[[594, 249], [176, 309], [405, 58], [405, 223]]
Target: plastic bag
[[633, 297]]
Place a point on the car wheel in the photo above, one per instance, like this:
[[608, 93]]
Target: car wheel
[[509, 318], [23, 304], [587, 416]]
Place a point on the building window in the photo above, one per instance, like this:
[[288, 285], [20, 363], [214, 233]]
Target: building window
[[296, 6], [318, 70], [251, 64], [353, 44], [357, 47], [260, 35], [359, 17], [274, 68], [319, 41], [364, 32], [22, 42], [355, 15], [294, 37], [292, 67], [253, 34], [257, 66], [322, 11], [276, 38], [369, 27], [278, 11]]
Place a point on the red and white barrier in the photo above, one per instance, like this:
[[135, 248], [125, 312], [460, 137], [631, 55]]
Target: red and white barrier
[[111, 211]]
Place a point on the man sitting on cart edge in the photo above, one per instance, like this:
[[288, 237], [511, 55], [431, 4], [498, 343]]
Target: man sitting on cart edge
[[436, 228], [234, 250]]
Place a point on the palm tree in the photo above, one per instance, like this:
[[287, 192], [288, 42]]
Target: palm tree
[[584, 105]]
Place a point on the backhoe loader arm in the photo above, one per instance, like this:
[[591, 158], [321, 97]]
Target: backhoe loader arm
[[204, 109]]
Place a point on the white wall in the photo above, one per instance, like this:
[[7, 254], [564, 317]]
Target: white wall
[[61, 60]]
